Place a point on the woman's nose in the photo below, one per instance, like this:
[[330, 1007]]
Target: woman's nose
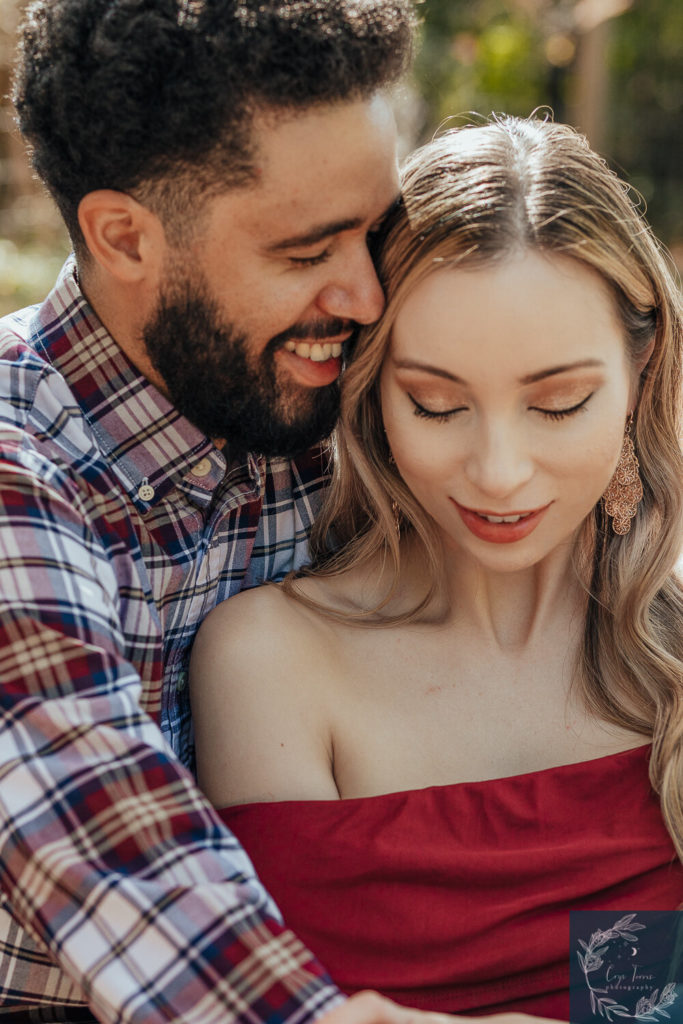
[[499, 462]]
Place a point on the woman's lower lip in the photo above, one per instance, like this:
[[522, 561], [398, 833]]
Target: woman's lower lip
[[500, 533]]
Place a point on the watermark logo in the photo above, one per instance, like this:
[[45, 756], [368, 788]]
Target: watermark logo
[[627, 967]]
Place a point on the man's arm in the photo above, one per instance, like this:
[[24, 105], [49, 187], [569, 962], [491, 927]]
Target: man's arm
[[110, 855]]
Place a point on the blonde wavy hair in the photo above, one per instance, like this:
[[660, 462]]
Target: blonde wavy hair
[[473, 195]]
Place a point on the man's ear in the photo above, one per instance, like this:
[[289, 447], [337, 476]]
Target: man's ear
[[124, 237]]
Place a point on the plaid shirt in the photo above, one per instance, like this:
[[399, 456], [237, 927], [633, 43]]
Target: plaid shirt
[[121, 526]]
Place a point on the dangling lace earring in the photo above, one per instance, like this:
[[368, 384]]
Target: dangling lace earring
[[625, 489]]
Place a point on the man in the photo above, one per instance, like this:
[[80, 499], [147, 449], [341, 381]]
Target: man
[[221, 166]]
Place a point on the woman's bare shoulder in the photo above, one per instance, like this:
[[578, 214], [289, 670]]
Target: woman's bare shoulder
[[260, 682], [263, 626]]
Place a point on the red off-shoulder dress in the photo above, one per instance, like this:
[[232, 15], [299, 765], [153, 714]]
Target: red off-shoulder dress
[[456, 898]]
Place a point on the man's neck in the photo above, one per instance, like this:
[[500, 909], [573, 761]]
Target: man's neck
[[123, 310]]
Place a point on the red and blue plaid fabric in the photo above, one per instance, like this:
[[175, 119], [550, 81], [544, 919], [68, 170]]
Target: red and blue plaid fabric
[[121, 526]]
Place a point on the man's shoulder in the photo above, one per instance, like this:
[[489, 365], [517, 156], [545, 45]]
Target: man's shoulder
[[21, 369], [49, 457], [17, 346], [35, 398], [20, 323]]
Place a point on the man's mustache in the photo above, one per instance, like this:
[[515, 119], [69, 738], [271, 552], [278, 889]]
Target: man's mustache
[[316, 330]]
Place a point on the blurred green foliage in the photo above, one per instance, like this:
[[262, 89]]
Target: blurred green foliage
[[518, 55], [27, 273], [646, 128], [613, 68], [480, 57]]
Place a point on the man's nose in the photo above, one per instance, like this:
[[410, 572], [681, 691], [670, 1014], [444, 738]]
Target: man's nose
[[355, 293]]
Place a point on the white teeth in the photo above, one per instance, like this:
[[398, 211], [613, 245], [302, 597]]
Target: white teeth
[[317, 352], [503, 519], [320, 353]]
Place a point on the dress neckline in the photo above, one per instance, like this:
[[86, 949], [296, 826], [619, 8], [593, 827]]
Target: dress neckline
[[521, 778]]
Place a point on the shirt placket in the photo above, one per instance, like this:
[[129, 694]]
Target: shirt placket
[[229, 505]]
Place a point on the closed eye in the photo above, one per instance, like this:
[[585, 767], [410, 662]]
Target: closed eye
[[310, 261], [441, 416], [560, 414]]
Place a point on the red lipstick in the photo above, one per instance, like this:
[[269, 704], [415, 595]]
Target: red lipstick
[[500, 533]]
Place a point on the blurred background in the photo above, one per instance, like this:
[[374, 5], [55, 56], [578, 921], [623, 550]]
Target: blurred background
[[612, 68]]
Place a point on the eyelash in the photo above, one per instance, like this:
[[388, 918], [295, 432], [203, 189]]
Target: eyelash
[[321, 257], [310, 261], [440, 417], [560, 414], [550, 414]]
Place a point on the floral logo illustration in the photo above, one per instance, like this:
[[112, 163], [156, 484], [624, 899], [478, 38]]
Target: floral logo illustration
[[618, 947]]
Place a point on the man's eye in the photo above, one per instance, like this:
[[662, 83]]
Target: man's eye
[[310, 261]]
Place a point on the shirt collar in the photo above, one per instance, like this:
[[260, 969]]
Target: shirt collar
[[150, 446]]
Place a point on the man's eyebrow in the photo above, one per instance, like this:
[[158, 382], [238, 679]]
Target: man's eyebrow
[[531, 378], [316, 234], [327, 230]]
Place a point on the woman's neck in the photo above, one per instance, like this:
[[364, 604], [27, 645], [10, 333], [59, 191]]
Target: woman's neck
[[514, 610]]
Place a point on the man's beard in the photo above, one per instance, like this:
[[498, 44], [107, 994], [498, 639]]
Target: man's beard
[[228, 394]]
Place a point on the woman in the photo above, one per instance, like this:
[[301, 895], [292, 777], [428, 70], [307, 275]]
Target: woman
[[429, 796]]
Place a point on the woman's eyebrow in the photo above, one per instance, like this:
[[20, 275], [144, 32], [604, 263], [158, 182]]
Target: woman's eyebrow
[[531, 378], [414, 364]]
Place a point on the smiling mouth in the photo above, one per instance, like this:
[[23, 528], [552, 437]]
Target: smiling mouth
[[514, 517], [501, 529], [318, 352]]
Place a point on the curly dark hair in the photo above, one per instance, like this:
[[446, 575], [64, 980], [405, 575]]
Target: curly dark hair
[[156, 97]]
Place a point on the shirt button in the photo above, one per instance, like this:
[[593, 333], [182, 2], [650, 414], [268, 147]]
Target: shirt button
[[181, 681], [145, 492], [203, 468]]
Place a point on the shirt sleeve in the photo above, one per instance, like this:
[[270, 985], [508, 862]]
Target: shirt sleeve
[[109, 855]]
